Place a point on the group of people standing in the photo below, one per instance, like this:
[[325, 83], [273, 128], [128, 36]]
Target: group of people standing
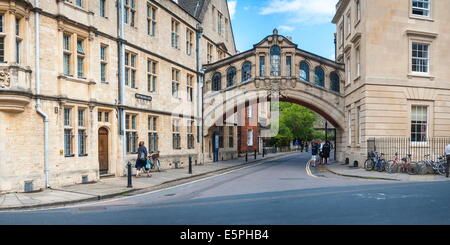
[[320, 152]]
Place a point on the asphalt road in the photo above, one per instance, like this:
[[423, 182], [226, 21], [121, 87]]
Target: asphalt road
[[275, 192]]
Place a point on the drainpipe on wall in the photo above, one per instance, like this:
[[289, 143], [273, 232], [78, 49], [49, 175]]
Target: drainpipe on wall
[[38, 91], [199, 87], [120, 16]]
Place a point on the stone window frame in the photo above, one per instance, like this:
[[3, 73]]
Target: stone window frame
[[152, 75], [19, 38], [176, 73], [209, 54], [103, 12], [189, 41], [130, 12], [349, 127], [131, 132], [75, 35], [348, 23], [422, 38], [104, 58], [219, 23], [175, 37], [358, 12], [152, 130], [69, 126], [230, 137], [151, 19], [176, 134], [131, 69], [190, 134], [190, 87], [81, 131]]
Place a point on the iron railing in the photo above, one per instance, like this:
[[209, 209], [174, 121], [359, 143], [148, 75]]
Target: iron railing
[[434, 147]]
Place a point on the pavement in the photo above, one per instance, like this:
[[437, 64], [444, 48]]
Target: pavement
[[117, 186], [357, 172]]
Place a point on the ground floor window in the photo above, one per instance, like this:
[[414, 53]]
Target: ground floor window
[[250, 138], [68, 142], [152, 142], [131, 143], [82, 142], [419, 123]]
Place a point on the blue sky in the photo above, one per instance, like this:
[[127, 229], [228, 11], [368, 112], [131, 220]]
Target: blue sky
[[308, 22]]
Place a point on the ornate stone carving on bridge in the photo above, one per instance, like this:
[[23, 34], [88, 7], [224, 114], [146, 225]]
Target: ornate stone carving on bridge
[[4, 79]]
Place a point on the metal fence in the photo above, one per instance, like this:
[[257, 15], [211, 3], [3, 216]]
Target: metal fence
[[434, 147]]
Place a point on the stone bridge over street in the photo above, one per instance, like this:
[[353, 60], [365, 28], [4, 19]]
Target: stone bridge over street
[[274, 70]]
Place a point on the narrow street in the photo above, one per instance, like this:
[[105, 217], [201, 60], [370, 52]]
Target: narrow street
[[275, 192]]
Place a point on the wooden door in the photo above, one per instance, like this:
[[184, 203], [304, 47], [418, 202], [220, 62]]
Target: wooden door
[[103, 150]]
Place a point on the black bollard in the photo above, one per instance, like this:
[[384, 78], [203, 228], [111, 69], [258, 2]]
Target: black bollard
[[263, 153], [129, 175], [255, 154], [190, 165], [246, 157]]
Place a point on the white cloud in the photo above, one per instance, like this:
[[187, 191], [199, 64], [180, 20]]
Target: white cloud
[[232, 7], [302, 11], [286, 28]]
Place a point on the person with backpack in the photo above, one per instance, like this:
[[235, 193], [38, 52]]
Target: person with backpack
[[141, 160], [326, 148]]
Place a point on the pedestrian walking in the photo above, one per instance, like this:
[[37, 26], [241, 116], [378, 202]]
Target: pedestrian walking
[[326, 148], [314, 152], [302, 145], [141, 160], [307, 146], [447, 166]]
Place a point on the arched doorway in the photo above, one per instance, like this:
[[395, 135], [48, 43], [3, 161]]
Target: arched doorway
[[103, 150]]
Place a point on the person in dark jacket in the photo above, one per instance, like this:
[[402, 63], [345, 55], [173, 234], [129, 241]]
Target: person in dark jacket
[[141, 158], [314, 152], [326, 148]]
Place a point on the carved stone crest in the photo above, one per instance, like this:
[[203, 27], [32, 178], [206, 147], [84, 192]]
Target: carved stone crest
[[4, 79]]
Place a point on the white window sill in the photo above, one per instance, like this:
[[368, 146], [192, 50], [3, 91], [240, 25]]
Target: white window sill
[[420, 75], [421, 17]]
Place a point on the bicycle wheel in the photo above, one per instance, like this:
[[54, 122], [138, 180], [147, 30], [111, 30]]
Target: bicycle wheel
[[440, 169], [157, 165], [411, 168], [390, 166], [369, 164], [382, 165]]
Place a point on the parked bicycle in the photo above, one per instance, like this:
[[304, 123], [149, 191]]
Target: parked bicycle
[[437, 167], [375, 161], [407, 166], [393, 165], [154, 161]]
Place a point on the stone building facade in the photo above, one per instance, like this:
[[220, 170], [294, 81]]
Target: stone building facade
[[79, 91], [396, 56]]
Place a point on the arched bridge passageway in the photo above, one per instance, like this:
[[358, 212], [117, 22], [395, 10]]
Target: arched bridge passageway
[[274, 70]]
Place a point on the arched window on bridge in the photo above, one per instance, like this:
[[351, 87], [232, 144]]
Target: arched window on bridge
[[319, 77], [246, 71], [304, 71], [334, 80], [231, 76], [216, 82], [275, 61]]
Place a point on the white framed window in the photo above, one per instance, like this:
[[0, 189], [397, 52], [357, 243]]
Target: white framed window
[[152, 133], [130, 12], [131, 133], [419, 123], [250, 137], [420, 57], [421, 7], [176, 136]]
